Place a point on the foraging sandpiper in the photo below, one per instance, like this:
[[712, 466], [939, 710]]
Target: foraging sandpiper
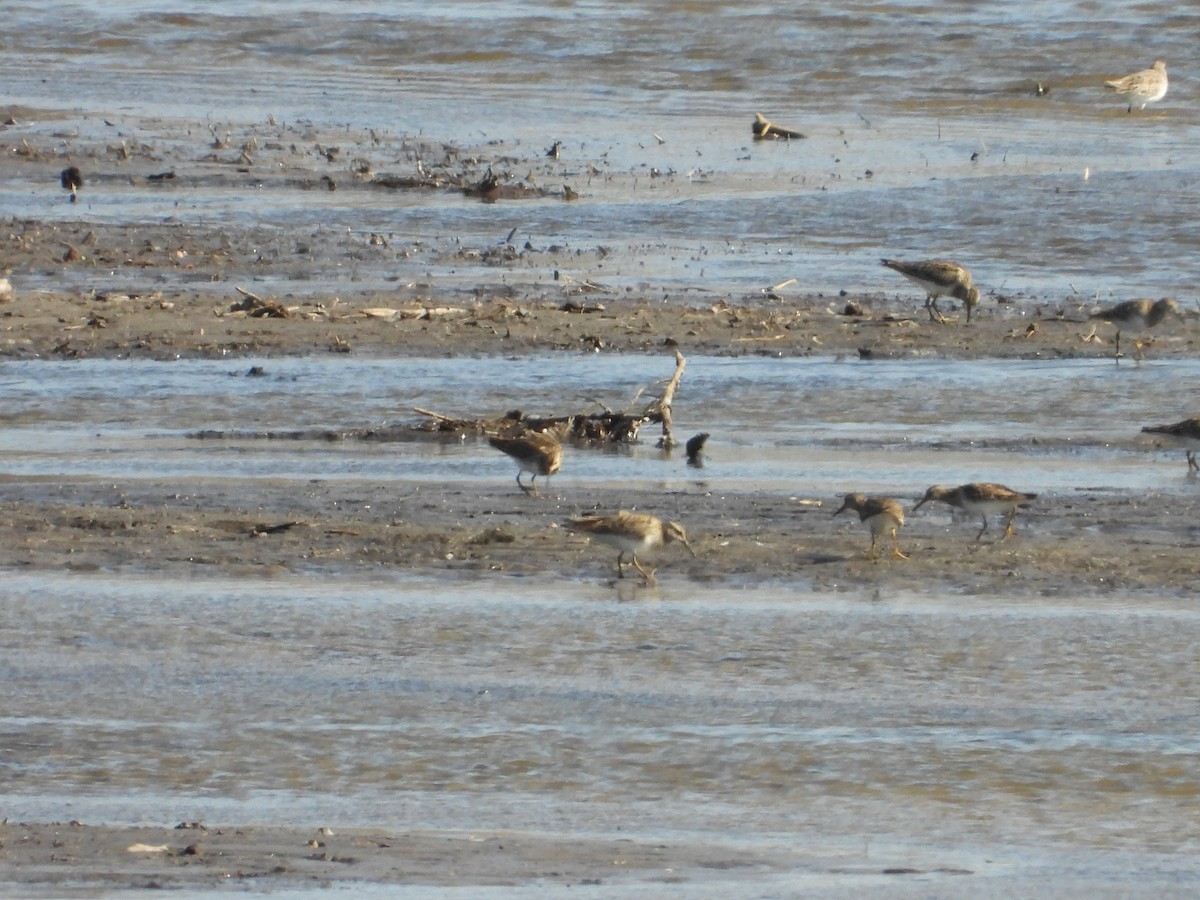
[[981, 498], [1146, 86], [884, 515], [534, 452], [938, 277], [630, 532], [1136, 316], [1185, 434]]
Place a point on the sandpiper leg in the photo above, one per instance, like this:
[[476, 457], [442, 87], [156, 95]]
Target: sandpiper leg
[[649, 576], [527, 488], [896, 554], [1008, 529], [983, 529], [1191, 455], [620, 559]]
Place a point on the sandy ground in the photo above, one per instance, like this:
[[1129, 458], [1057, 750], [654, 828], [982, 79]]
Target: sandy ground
[[179, 322], [73, 859], [1092, 545], [191, 854]]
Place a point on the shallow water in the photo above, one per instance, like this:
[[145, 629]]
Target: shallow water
[[813, 427], [1041, 727], [1068, 196]]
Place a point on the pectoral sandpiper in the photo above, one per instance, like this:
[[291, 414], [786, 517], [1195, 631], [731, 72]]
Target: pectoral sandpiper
[[1146, 86], [983, 499], [534, 452], [1136, 316], [630, 532], [938, 277], [884, 516], [1185, 434]]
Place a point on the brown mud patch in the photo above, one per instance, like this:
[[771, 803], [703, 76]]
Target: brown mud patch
[[171, 324], [76, 857], [1081, 546]]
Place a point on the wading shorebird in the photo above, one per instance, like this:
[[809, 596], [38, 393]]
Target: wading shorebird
[[938, 277], [1185, 434], [1136, 316], [630, 532], [72, 180], [983, 499], [534, 452], [1146, 86], [884, 516]]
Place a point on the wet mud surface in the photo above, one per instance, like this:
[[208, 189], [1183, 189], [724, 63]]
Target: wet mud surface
[[1063, 547], [173, 290]]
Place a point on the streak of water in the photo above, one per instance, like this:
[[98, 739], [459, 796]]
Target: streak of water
[[790, 425]]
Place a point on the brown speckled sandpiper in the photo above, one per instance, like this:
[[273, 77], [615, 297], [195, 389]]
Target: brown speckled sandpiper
[[1146, 86], [938, 277], [981, 498], [1185, 434], [631, 532], [534, 452], [884, 515]]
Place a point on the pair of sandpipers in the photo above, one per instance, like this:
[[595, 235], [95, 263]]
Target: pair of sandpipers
[[541, 454], [885, 515], [942, 278]]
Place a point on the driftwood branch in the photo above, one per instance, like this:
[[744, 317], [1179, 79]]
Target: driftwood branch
[[433, 415], [259, 307], [585, 427], [764, 129], [250, 296], [581, 428], [661, 408]]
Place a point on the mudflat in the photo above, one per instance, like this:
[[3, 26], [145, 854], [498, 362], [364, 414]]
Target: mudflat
[[1108, 541], [211, 298]]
